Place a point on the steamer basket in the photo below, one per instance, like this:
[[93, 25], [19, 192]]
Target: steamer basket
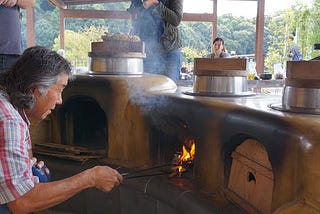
[[301, 92], [220, 77], [117, 56]]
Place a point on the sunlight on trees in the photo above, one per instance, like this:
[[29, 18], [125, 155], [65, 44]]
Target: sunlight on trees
[[78, 44]]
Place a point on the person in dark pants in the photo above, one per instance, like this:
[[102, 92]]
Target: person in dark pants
[[31, 89], [10, 31], [156, 23]]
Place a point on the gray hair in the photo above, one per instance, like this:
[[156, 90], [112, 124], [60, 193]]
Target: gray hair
[[36, 67]]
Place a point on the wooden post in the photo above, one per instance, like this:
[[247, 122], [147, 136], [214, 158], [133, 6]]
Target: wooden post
[[62, 28], [30, 27], [259, 36], [215, 19]]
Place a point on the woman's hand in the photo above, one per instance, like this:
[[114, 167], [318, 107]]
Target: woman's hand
[[149, 3], [40, 170], [105, 178], [8, 3]]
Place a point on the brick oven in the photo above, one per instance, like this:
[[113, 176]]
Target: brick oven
[[249, 158]]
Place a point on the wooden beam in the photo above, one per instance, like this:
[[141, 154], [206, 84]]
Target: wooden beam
[[197, 17], [80, 2], [96, 14], [108, 14], [58, 3], [63, 4]]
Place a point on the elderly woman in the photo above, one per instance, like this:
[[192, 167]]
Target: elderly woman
[[32, 88], [218, 49]]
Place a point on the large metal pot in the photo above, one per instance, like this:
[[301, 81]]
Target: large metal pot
[[117, 65], [220, 84], [304, 100]]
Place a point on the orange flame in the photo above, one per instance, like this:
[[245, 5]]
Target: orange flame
[[186, 156]]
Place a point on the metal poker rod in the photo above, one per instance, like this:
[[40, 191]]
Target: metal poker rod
[[139, 173]]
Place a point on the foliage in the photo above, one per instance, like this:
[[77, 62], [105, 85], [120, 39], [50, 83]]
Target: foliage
[[301, 17], [46, 31], [114, 26], [238, 33], [277, 48], [196, 35], [78, 44], [188, 55], [294, 21], [314, 37]]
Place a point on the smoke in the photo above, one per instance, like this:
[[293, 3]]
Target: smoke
[[153, 105]]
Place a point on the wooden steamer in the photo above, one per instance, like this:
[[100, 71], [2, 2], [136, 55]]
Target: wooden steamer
[[220, 77], [302, 87], [117, 55]]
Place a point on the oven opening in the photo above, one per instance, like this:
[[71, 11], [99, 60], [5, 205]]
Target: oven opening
[[84, 124], [173, 145]]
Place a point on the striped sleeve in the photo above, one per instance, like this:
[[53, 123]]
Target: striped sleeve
[[15, 166]]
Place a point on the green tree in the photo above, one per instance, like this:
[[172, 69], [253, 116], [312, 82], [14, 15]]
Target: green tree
[[293, 21], [276, 41], [188, 55], [238, 33], [46, 30], [78, 44], [314, 27]]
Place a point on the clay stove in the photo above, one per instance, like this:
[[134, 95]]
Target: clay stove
[[249, 158]]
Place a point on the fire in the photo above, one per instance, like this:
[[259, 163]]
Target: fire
[[186, 158]]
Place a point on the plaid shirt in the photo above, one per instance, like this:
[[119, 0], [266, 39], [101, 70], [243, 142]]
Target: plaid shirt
[[16, 177]]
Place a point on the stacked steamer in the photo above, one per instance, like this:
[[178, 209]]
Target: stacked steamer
[[117, 54], [220, 77], [302, 87]]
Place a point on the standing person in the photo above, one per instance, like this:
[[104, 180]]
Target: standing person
[[293, 50], [10, 31], [32, 88], [156, 23], [218, 49]]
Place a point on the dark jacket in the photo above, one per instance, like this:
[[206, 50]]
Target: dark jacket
[[160, 24]]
